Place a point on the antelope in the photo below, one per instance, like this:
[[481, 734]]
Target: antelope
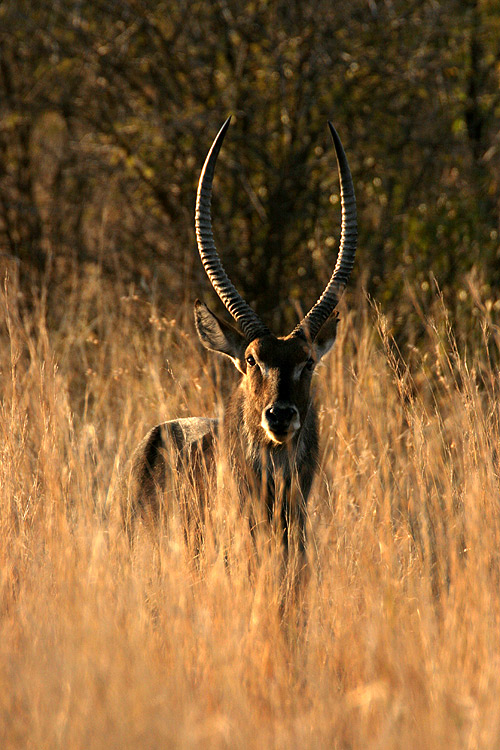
[[269, 428]]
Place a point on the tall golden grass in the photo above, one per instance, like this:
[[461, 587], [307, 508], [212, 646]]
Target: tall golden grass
[[394, 641]]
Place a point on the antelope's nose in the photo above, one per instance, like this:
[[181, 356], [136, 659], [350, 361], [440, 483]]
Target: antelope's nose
[[280, 416]]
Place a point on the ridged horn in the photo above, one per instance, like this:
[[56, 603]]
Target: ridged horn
[[310, 325], [247, 319]]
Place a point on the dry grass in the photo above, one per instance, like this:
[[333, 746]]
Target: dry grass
[[396, 639]]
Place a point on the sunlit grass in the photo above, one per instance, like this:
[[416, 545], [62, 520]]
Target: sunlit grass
[[394, 640]]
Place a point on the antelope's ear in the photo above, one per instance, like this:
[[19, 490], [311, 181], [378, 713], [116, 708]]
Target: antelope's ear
[[326, 336], [218, 336]]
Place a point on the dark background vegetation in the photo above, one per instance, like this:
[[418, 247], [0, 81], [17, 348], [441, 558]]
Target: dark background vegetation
[[107, 110]]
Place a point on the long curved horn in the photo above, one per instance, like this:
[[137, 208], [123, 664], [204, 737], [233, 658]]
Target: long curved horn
[[310, 325], [247, 319]]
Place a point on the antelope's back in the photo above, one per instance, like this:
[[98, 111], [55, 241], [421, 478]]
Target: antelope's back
[[170, 449]]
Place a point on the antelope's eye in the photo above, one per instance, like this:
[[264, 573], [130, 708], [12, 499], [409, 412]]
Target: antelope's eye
[[310, 364], [250, 360]]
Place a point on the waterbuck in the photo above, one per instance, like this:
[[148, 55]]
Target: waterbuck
[[269, 430]]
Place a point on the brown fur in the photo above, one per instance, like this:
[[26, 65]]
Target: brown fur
[[274, 471]]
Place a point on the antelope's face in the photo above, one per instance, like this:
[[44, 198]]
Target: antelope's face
[[276, 373], [277, 381]]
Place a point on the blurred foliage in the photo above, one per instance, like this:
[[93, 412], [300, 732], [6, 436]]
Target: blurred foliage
[[107, 111]]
